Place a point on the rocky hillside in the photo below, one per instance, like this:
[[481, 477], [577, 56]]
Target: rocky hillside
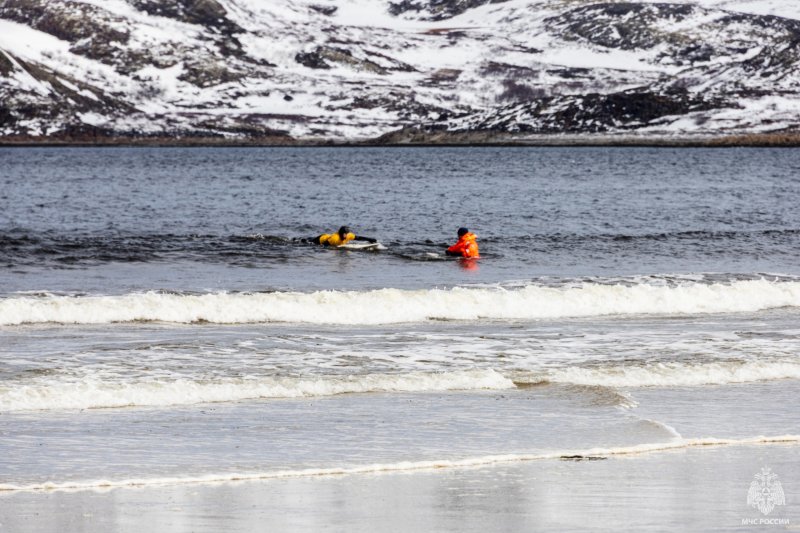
[[350, 70]]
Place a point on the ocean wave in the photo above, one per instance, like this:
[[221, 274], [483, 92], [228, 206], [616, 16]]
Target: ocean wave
[[53, 392], [406, 466], [387, 306], [20, 246], [95, 392], [674, 374]]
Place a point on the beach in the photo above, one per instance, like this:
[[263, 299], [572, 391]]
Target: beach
[[697, 488], [175, 353]]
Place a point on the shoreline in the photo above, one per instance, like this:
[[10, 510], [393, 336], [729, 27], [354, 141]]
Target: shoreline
[[599, 453], [417, 139], [696, 488]]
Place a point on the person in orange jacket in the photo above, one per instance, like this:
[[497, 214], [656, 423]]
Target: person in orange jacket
[[466, 246]]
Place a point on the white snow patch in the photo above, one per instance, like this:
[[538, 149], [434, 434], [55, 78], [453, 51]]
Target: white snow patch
[[28, 43], [93, 119], [611, 59]]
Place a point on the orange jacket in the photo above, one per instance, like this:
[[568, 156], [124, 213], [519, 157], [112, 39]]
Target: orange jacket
[[466, 246]]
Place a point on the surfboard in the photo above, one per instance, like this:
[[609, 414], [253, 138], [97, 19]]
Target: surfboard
[[367, 246]]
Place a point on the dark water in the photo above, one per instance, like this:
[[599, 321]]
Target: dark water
[[204, 218]]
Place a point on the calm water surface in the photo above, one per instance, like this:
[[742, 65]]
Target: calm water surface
[[199, 219]]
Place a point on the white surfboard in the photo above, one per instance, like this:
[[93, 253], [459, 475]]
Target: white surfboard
[[366, 246]]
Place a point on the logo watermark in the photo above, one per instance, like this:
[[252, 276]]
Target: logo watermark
[[765, 493]]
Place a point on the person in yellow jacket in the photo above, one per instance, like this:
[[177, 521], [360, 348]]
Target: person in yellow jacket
[[343, 236]]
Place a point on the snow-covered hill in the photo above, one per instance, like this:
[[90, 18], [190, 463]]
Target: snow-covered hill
[[348, 70]]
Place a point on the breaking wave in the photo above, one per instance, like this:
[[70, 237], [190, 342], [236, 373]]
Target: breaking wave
[[387, 306], [673, 374], [95, 393], [406, 466]]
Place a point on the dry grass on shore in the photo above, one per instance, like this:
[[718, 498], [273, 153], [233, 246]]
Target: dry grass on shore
[[758, 139], [416, 137]]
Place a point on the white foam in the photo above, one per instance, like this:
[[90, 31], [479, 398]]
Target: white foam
[[673, 374], [487, 460], [95, 392], [386, 306]]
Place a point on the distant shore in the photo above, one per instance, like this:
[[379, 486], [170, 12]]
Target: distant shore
[[409, 137]]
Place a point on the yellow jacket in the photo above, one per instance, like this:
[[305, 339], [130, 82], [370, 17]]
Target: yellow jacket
[[333, 239]]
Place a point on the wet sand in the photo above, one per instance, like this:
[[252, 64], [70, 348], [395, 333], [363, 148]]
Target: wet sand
[[693, 489]]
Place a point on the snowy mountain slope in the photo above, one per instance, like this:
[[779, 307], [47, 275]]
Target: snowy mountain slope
[[357, 69]]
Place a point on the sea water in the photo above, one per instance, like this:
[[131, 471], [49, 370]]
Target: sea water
[[163, 318]]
